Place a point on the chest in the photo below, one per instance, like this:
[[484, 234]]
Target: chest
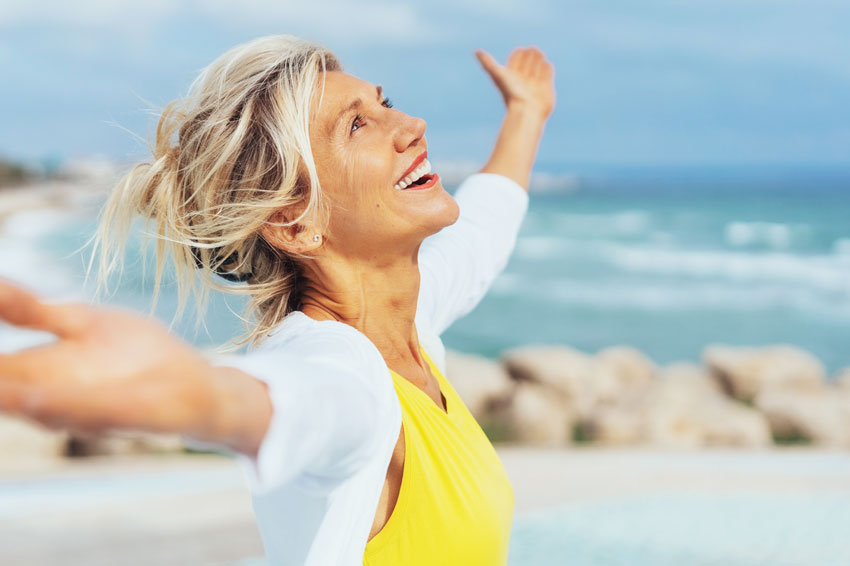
[[449, 459], [395, 470], [392, 486]]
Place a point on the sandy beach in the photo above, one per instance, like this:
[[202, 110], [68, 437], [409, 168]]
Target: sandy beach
[[196, 509]]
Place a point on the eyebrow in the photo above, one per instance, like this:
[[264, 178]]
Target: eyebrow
[[357, 103]]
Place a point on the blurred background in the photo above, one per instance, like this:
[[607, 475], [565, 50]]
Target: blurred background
[[690, 206]]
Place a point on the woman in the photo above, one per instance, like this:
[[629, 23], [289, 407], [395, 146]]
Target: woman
[[300, 182]]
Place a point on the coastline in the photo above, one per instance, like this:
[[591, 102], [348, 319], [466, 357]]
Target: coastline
[[146, 502], [537, 394], [196, 509]]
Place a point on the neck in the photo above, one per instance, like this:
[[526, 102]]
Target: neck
[[377, 297]]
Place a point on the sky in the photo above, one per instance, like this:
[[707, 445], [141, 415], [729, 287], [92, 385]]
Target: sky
[[717, 82]]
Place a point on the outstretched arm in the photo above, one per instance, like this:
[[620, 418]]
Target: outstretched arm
[[459, 264], [526, 83], [112, 369]]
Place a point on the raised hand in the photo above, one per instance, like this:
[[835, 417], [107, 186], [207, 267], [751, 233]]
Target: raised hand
[[527, 78], [108, 369]]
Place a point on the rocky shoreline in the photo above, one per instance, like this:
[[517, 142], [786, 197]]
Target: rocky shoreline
[[552, 395], [737, 397], [557, 396]]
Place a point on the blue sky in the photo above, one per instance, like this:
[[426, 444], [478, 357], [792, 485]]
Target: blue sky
[[661, 83]]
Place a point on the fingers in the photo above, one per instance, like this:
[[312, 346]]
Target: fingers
[[30, 366], [33, 402], [529, 61], [13, 397], [57, 407], [526, 61], [544, 70], [488, 62], [515, 59], [21, 308]]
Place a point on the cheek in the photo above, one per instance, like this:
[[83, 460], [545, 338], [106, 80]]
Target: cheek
[[365, 182], [360, 203]]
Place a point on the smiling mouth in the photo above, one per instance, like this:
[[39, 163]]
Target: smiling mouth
[[424, 182], [419, 178]]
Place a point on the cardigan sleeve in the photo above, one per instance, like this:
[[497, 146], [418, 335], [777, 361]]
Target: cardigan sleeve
[[459, 264], [326, 414]]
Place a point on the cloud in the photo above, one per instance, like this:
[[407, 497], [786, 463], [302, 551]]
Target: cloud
[[87, 13], [752, 79], [346, 22], [753, 33]]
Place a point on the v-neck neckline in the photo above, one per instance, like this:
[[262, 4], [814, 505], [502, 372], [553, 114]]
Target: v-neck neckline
[[447, 412]]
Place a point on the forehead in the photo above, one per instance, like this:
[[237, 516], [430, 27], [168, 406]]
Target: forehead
[[340, 90]]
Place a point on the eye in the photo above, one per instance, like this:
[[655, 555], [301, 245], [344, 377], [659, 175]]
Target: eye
[[355, 125]]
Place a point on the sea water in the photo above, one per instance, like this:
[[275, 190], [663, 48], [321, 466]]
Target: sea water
[[666, 260], [672, 261], [676, 528], [673, 528]]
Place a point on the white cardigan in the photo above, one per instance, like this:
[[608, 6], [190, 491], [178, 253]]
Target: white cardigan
[[321, 467]]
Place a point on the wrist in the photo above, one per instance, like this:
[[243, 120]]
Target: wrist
[[239, 410], [527, 111]]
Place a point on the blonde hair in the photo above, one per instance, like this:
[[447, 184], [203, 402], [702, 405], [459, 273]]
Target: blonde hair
[[226, 157]]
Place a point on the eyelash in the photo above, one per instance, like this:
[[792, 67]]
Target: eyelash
[[387, 103]]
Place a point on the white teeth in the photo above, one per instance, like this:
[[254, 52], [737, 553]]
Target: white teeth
[[423, 169]]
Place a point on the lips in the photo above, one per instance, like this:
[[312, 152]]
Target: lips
[[413, 166], [432, 180]]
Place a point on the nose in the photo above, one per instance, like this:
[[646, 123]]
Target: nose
[[409, 131]]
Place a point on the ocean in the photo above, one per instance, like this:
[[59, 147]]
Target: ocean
[[666, 260]]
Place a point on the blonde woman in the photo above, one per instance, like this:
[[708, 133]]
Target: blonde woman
[[284, 178]]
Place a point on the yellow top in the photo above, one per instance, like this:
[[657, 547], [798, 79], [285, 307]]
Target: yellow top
[[455, 504]]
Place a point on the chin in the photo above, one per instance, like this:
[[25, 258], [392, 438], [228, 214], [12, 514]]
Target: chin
[[446, 214]]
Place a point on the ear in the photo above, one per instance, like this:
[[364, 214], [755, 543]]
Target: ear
[[295, 238]]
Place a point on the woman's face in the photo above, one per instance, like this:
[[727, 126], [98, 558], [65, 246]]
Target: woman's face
[[362, 148]]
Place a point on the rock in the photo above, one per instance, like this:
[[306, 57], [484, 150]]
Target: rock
[[745, 371], [715, 421], [559, 368], [123, 443], [577, 380], [842, 379], [821, 417], [631, 366], [535, 416], [694, 378], [23, 439], [620, 423], [683, 408], [689, 410], [482, 384]]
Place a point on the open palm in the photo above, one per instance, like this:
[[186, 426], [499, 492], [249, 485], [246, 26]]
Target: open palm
[[526, 79], [108, 368]]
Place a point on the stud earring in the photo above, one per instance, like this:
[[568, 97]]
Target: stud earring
[[316, 238]]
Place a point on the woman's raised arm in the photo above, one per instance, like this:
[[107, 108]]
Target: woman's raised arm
[[114, 369], [459, 263], [527, 85]]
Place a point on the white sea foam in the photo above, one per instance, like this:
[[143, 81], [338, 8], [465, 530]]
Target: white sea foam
[[31, 224], [622, 223], [824, 271], [772, 234], [23, 263], [841, 246], [553, 183], [657, 296], [827, 272]]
